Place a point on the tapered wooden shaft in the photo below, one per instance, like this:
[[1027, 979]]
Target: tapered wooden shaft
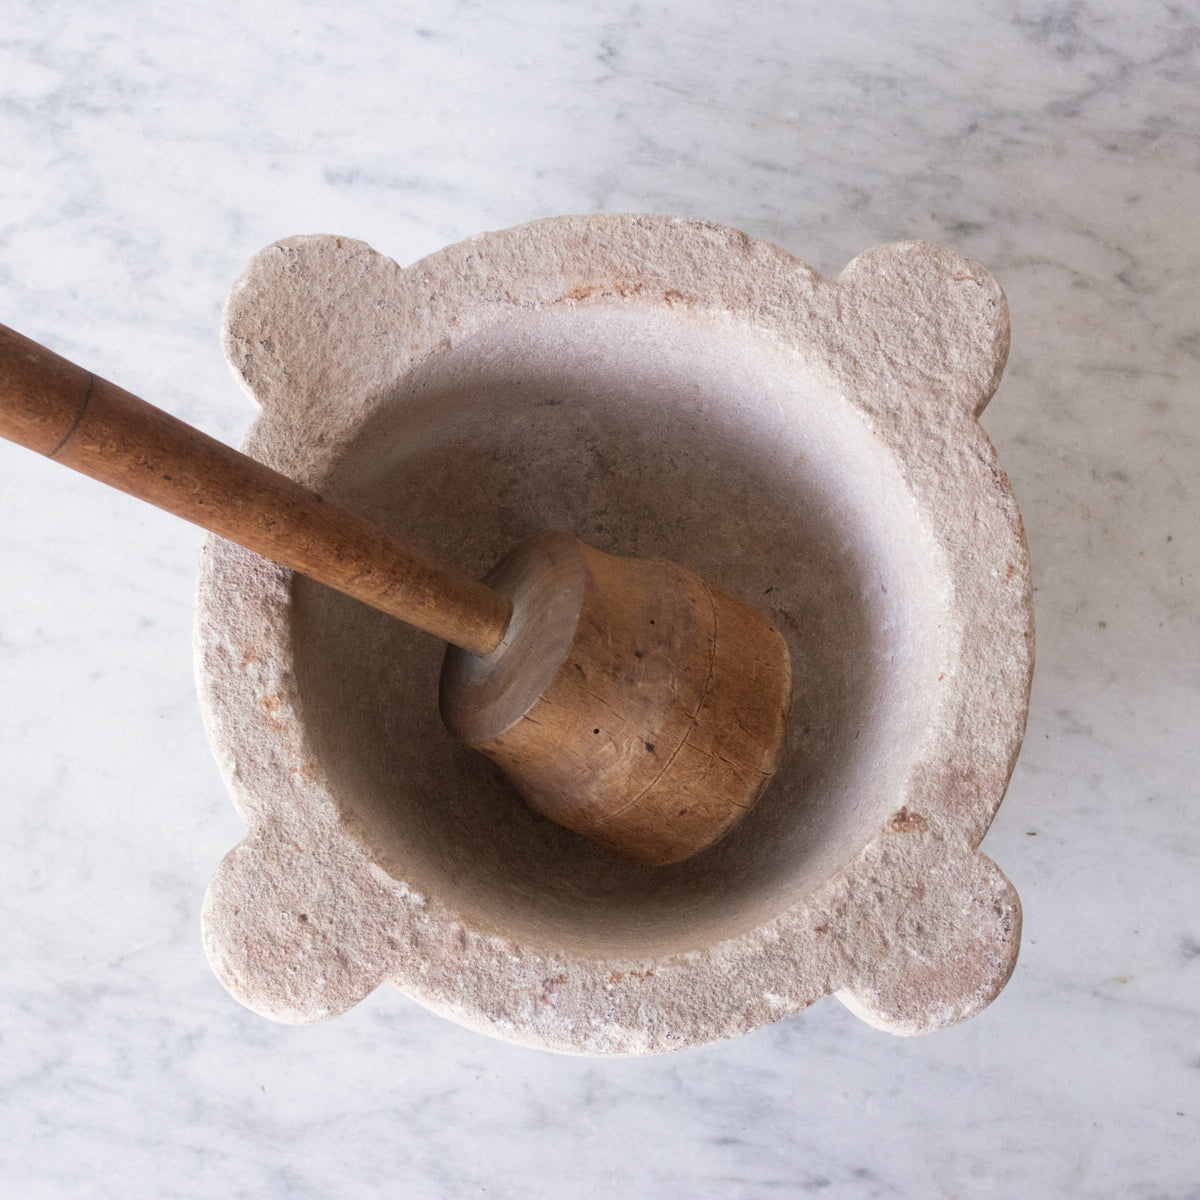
[[64, 412]]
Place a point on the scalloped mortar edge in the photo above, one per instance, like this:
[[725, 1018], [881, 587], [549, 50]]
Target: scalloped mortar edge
[[916, 931]]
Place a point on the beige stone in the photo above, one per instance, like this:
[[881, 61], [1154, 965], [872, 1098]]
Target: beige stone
[[661, 388]]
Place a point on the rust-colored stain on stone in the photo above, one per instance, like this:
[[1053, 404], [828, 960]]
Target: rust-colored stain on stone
[[615, 977], [903, 821]]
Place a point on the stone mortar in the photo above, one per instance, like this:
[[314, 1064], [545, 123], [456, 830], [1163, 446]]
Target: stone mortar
[[661, 388]]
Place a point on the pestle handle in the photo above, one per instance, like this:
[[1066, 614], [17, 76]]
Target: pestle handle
[[50, 405]]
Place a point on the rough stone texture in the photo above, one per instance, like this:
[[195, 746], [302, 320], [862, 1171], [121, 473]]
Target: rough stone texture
[[659, 387]]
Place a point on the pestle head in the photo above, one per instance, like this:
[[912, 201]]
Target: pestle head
[[629, 701]]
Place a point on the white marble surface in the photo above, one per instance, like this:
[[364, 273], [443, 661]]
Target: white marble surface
[[147, 150]]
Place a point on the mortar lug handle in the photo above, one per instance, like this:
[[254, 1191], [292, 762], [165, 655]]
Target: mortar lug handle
[[943, 953]]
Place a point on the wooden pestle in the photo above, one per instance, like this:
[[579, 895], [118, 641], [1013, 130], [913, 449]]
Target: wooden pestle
[[626, 699], [62, 411]]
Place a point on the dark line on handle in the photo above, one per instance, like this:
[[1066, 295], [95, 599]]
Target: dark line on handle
[[78, 417]]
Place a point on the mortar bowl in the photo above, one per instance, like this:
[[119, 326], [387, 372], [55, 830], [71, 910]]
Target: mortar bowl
[[662, 388]]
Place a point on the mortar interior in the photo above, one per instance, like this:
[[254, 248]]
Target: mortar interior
[[655, 434]]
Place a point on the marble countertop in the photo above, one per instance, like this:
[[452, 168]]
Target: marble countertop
[[147, 151]]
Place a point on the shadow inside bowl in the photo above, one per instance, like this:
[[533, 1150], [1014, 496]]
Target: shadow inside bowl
[[649, 433]]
